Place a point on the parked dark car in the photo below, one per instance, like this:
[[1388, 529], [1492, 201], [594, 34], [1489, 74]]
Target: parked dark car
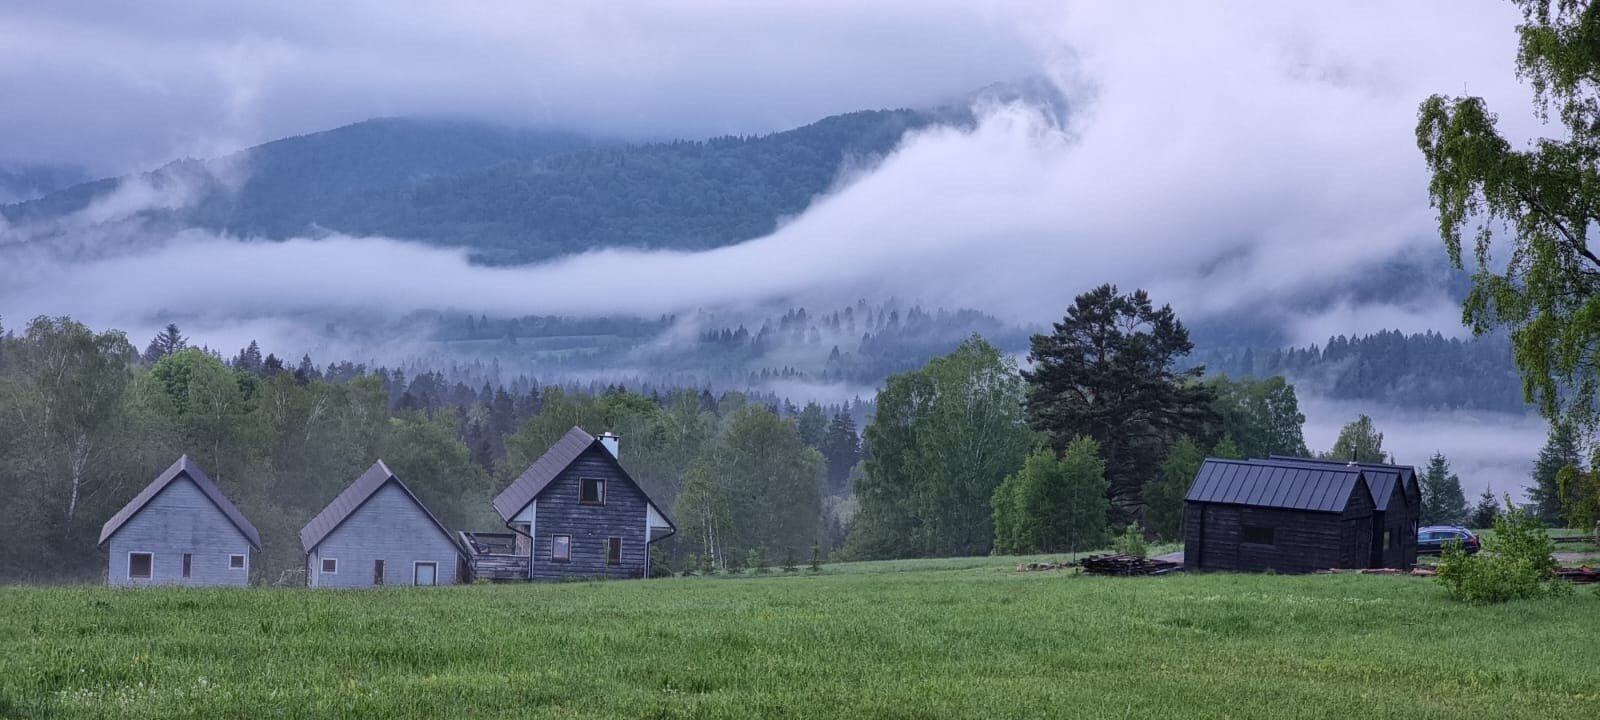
[[1431, 539]]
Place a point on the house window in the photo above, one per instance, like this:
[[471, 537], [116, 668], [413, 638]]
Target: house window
[[1257, 535], [330, 566], [187, 563], [593, 491], [424, 573], [139, 564], [377, 572], [614, 551], [236, 562], [1388, 539], [561, 548]]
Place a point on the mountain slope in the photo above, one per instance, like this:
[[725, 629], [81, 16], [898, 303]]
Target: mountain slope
[[283, 188], [510, 196]]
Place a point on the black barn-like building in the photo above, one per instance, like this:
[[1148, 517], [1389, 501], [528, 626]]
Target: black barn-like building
[[1293, 517], [1397, 504]]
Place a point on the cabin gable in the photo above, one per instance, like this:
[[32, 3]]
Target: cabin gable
[[560, 511], [391, 527], [179, 520]]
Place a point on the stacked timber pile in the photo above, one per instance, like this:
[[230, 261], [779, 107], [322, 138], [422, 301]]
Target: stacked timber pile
[[1126, 565], [1580, 575]]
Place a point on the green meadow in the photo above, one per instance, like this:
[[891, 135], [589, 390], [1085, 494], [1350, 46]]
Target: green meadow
[[967, 637]]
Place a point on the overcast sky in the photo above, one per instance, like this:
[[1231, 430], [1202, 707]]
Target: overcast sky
[[119, 84]]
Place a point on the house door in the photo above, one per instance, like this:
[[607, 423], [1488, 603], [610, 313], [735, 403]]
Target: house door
[[424, 573]]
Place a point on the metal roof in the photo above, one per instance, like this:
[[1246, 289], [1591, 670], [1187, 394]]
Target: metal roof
[[1378, 474], [351, 500], [1279, 485], [544, 471], [183, 468]]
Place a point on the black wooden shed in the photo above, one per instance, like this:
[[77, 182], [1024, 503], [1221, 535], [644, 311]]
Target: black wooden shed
[[1254, 515], [1397, 509]]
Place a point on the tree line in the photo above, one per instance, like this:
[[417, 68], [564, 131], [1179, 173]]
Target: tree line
[[86, 421]]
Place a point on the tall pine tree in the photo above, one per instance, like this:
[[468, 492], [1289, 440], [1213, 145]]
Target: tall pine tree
[[1560, 450], [1443, 502]]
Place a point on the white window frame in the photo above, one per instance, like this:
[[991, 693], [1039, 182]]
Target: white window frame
[[152, 574], [244, 562], [324, 568], [416, 565], [553, 557]]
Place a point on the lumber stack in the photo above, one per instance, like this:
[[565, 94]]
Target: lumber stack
[[1580, 575], [1125, 565]]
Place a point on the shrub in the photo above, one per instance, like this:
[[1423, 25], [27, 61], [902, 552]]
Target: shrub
[[1131, 542], [1517, 562], [789, 565], [816, 559], [758, 561]]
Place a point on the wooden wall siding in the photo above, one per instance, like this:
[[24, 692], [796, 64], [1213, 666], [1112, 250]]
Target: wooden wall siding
[[180, 520], [1400, 522], [559, 513], [388, 527], [1302, 541]]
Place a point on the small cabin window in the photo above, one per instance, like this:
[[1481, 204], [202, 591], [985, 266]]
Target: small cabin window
[[330, 566], [561, 548], [1388, 539], [593, 491], [614, 551], [377, 572], [236, 562], [188, 562], [139, 564], [1257, 535]]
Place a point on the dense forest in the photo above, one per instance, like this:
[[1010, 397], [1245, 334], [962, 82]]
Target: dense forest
[[1418, 371]]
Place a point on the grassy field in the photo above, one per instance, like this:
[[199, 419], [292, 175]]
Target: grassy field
[[947, 638]]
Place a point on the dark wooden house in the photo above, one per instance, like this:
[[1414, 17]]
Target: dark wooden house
[[376, 532], [179, 530], [1253, 515], [1397, 509], [575, 513]]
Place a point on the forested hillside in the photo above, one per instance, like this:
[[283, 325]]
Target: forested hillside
[[289, 187], [1418, 371], [511, 196]]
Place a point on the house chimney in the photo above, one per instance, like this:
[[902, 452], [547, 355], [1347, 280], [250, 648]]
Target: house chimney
[[612, 442]]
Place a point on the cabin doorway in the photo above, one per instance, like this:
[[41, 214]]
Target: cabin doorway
[[424, 573]]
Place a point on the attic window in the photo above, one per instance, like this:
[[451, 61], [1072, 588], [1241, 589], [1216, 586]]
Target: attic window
[[139, 565], [236, 562], [1257, 535], [330, 566], [592, 492]]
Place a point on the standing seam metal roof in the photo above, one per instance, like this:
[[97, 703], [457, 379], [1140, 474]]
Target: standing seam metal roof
[[1381, 477], [1279, 485], [183, 468], [351, 500]]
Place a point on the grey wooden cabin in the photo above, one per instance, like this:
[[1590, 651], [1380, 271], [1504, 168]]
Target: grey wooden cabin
[[375, 533], [1253, 515], [575, 513], [1397, 509], [179, 530]]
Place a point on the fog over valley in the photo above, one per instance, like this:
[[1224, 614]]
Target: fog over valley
[[493, 197]]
